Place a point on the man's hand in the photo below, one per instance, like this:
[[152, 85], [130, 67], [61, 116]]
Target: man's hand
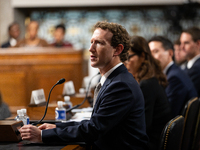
[[47, 126], [31, 133]]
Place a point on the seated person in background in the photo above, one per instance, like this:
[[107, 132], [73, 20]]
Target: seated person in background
[[190, 43], [14, 33], [4, 109], [180, 88], [147, 71], [31, 38], [179, 55], [118, 118], [59, 35]]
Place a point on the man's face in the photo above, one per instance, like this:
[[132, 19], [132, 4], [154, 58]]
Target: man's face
[[14, 31], [179, 54], [59, 35], [188, 45], [32, 30], [101, 51], [160, 53]]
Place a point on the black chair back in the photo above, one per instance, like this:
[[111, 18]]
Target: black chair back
[[190, 114], [171, 134], [196, 141]]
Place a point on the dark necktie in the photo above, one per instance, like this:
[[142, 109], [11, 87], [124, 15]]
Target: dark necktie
[[96, 92]]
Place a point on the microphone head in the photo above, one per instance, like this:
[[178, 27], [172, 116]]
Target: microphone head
[[61, 81]]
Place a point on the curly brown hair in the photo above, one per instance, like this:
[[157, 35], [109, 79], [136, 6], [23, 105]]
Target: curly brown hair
[[150, 67], [120, 36]]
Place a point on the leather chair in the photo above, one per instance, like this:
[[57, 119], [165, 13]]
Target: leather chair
[[171, 134], [196, 141], [190, 114]]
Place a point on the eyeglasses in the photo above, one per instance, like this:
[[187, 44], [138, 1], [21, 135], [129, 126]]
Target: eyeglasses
[[129, 57]]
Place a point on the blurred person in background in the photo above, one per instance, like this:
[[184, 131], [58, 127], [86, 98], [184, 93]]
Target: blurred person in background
[[59, 36], [31, 39], [14, 33], [180, 88], [190, 43], [147, 71], [179, 55], [4, 109]]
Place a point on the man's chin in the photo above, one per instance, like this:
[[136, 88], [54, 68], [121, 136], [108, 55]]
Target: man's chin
[[94, 65]]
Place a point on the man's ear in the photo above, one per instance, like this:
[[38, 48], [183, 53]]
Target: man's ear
[[198, 43], [171, 52], [118, 50]]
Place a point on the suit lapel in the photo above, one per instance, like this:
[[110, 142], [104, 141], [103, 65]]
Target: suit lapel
[[107, 82], [168, 70]]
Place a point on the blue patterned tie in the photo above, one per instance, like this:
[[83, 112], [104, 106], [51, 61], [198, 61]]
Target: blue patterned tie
[[96, 92]]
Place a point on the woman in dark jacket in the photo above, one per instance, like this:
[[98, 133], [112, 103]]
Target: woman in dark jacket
[[148, 73]]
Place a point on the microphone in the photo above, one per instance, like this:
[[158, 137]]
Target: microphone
[[59, 82], [76, 106]]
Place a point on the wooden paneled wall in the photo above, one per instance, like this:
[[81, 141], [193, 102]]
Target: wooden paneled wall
[[23, 70]]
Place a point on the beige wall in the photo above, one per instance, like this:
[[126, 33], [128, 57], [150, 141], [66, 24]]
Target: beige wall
[[6, 17], [58, 3]]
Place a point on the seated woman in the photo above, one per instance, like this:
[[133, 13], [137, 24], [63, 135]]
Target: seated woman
[[148, 73], [32, 39]]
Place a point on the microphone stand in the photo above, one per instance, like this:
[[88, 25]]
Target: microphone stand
[[86, 95], [59, 82]]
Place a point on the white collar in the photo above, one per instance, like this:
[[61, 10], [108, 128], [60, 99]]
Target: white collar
[[183, 65], [192, 61], [167, 67], [105, 76], [13, 41]]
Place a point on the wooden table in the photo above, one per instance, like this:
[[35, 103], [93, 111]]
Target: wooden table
[[23, 146], [37, 112]]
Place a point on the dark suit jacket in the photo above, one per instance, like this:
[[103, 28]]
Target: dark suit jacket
[[157, 110], [5, 45], [179, 90], [194, 74], [118, 119]]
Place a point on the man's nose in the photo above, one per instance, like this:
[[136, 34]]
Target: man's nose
[[91, 48], [181, 46]]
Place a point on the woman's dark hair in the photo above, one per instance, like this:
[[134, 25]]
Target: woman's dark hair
[[62, 26], [150, 67]]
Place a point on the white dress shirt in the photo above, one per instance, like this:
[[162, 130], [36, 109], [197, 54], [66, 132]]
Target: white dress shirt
[[167, 67], [192, 61]]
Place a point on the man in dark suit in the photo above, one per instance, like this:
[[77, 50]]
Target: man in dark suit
[[180, 88], [118, 120], [14, 33], [190, 43]]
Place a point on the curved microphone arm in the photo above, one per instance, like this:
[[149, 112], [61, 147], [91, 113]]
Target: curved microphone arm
[[86, 95], [59, 82]]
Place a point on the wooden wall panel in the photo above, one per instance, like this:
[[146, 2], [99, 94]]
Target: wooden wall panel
[[24, 70], [13, 88], [47, 77]]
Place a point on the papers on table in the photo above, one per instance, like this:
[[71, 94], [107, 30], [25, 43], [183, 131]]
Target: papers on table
[[82, 114], [88, 109]]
